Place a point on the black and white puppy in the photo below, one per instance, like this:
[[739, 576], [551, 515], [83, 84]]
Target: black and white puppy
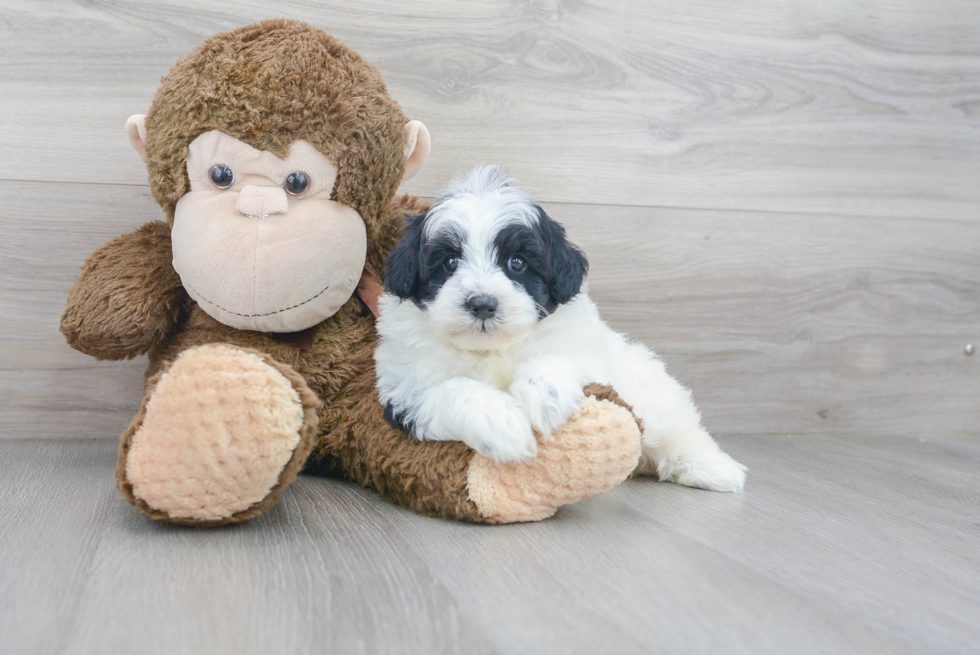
[[488, 334]]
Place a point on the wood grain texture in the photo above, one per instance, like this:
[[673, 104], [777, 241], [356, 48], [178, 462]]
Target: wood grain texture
[[868, 107], [839, 545], [46, 232], [780, 323], [785, 323], [83, 573]]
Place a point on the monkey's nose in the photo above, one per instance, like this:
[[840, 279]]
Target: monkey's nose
[[259, 201]]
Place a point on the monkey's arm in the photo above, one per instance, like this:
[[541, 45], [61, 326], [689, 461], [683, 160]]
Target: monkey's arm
[[128, 297], [593, 452], [429, 477]]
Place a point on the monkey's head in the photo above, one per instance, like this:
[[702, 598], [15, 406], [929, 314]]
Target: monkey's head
[[275, 151]]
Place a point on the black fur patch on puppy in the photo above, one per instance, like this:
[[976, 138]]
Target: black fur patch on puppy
[[402, 265], [417, 271], [434, 264], [398, 419], [555, 267]]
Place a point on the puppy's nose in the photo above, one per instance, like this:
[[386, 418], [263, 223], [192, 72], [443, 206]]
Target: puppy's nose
[[259, 201], [483, 307]]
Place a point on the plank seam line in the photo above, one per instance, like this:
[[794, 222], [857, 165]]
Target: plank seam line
[[730, 210]]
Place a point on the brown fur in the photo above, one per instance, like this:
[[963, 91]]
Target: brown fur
[[318, 89], [129, 300]]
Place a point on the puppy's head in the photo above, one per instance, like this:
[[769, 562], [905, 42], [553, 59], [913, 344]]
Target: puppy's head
[[486, 263]]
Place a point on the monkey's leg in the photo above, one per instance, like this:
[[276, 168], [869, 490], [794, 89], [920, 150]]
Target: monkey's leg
[[221, 433], [594, 451]]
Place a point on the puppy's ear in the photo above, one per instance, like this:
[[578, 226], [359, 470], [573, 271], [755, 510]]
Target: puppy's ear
[[402, 265], [567, 264]]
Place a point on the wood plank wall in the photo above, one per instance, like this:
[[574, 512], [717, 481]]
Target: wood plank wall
[[782, 197]]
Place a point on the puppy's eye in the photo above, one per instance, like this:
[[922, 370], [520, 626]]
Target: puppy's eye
[[221, 176], [516, 264], [296, 183], [451, 264]]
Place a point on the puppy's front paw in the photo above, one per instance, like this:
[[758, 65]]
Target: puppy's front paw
[[548, 402], [504, 434], [712, 470], [591, 453]]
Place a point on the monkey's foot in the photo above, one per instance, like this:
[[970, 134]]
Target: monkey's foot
[[593, 452], [221, 434]]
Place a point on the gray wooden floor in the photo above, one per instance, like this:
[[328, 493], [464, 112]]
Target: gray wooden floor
[[780, 196], [839, 545]]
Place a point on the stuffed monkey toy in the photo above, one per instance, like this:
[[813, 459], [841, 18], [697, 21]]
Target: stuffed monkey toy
[[276, 152]]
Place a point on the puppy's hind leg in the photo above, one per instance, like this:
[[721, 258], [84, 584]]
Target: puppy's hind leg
[[675, 445], [692, 458]]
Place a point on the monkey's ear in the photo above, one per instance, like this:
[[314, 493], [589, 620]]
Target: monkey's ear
[[136, 131], [417, 147]]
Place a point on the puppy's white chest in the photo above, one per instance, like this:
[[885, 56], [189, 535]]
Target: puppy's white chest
[[493, 369]]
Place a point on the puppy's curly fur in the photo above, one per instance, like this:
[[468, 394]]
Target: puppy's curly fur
[[489, 335]]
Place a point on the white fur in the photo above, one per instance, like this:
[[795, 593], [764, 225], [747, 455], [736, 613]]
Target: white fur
[[490, 384]]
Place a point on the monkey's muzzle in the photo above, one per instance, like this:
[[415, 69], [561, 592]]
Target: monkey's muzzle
[[281, 271]]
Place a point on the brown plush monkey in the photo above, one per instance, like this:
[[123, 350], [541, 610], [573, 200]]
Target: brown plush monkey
[[276, 152]]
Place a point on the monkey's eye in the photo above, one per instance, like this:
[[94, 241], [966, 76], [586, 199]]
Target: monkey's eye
[[221, 176], [296, 183], [516, 264], [451, 264]]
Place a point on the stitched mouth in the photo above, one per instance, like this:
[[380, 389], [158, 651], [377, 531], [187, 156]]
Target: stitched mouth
[[278, 311]]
